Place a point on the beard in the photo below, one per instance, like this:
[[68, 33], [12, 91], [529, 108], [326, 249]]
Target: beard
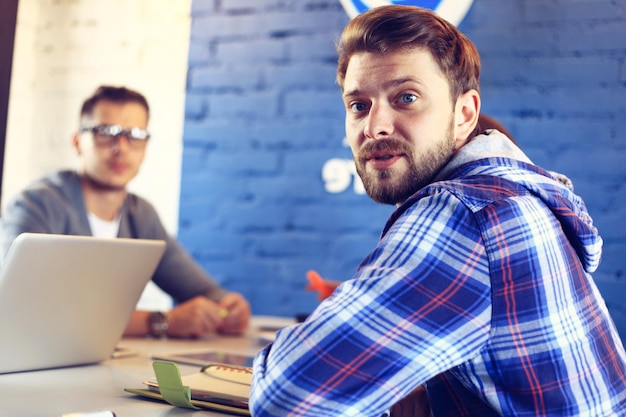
[[388, 186], [99, 185]]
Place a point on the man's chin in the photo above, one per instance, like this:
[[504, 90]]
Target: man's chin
[[102, 185], [391, 186], [385, 192]]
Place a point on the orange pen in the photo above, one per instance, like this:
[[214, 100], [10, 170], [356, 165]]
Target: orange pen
[[323, 287]]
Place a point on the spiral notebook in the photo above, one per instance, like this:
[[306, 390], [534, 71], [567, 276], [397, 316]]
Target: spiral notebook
[[219, 387]]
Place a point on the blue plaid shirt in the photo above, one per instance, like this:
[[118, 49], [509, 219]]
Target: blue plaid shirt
[[480, 289]]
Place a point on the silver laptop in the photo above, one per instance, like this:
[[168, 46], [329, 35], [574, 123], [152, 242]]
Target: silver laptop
[[66, 300]]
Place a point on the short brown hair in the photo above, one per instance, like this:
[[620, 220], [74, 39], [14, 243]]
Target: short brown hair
[[118, 95], [391, 28]]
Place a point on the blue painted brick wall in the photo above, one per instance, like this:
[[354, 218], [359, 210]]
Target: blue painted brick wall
[[263, 116]]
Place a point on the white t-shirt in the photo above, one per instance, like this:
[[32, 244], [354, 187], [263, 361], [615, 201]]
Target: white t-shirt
[[103, 228]]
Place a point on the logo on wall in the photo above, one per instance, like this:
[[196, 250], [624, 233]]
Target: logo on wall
[[452, 10]]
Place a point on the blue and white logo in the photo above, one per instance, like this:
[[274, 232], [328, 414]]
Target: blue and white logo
[[452, 10]]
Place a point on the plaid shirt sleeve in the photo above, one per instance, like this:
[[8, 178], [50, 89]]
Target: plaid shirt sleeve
[[418, 305]]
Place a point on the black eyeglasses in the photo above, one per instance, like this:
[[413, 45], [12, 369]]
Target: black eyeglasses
[[109, 135]]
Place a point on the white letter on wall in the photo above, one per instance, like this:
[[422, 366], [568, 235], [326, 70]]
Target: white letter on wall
[[337, 175]]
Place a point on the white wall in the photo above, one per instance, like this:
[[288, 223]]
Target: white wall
[[65, 49]]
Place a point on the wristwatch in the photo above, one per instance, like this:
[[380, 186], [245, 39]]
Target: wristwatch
[[157, 323]]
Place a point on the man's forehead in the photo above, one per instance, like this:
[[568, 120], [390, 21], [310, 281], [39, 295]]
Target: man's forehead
[[122, 113], [391, 69]]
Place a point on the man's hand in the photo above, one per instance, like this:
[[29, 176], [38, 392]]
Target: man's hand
[[235, 314], [199, 316], [196, 317]]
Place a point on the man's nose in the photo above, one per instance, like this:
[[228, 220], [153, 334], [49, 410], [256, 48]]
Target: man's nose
[[379, 122], [122, 143]]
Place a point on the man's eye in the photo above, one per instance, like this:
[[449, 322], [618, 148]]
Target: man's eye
[[109, 130], [105, 132], [408, 98], [357, 107]]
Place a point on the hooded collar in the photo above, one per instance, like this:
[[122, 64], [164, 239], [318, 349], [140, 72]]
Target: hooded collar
[[490, 144], [494, 154]]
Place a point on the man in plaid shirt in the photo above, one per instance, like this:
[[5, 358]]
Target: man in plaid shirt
[[478, 299]]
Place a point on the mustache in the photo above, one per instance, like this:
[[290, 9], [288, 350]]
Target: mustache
[[390, 145]]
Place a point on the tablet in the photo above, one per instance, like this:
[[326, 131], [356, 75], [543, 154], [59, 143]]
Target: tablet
[[207, 357]]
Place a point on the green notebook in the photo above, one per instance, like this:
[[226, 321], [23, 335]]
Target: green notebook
[[216, 387]]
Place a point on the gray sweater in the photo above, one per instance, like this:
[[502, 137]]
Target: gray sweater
[[55, 204]]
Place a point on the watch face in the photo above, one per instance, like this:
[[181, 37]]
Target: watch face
[[158, 323]]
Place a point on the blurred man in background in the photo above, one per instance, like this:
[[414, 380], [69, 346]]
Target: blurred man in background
[[93, 200]]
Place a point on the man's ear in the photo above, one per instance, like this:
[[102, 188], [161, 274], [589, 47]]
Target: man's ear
[[76, 142], [466, 114]]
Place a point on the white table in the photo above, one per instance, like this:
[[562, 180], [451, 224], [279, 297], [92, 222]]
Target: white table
[[52, 393]]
